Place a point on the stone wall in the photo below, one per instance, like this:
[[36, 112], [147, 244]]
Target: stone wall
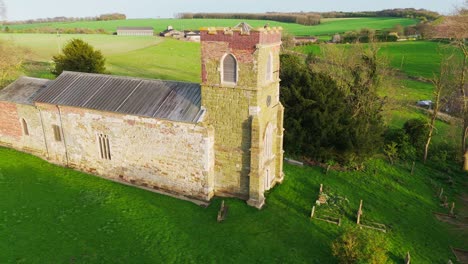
[[12, 132], [170, 156]]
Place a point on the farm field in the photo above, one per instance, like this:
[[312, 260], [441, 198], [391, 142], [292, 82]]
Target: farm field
[[86, 219], [150, 57], [327, 27]]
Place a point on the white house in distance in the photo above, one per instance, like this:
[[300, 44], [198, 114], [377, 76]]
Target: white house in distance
[[135, 31]]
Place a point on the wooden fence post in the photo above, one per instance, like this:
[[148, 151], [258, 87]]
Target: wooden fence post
[[359, 213]]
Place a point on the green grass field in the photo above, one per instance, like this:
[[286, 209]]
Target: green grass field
[[150, 57], [328, 26], [51, 214]]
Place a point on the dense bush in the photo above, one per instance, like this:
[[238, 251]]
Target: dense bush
[[404, 149], [319, 122], [79, 56], [417, 131], [360, 246]]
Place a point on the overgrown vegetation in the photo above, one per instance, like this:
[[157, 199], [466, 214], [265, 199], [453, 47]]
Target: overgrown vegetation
[[360, 246], [11, 61]]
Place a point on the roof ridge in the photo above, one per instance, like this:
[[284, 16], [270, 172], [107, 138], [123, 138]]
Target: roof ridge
[[127, 77]]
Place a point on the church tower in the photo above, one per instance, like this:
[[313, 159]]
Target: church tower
[[240, 92]]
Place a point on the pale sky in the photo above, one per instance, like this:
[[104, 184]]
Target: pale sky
[[29, 9]]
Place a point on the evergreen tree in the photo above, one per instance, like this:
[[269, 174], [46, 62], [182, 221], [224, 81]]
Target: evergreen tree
[[316, 115], [79, 56]]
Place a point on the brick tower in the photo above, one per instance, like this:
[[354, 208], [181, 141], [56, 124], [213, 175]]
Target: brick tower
[[240, 91]]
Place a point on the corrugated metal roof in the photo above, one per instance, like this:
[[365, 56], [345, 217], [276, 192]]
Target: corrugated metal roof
[[178, 101], [135, 28], [23, 90]]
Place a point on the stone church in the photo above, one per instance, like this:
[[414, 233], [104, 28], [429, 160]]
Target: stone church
[[222, 137]]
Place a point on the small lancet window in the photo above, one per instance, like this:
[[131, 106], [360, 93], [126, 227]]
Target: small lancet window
[[229, 69], [269, 68], [25, 127], [57, 133], [104, 146]]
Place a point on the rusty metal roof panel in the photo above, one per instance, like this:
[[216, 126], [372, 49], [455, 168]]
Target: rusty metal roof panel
[[178, 101]]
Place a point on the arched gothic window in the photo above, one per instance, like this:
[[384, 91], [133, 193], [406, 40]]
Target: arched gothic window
[[25, 127], [229, 69]]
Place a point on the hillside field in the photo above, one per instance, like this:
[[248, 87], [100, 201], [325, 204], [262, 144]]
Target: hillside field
[[51, 214], [150, 57], [327, 27]]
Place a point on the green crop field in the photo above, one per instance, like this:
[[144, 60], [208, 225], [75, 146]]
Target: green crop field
[[51, 214], [327, 27], [150, 57]]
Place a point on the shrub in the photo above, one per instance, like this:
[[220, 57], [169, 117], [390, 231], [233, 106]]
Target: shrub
[[360, 246], [78, 55], [417, 131], [406, 150]]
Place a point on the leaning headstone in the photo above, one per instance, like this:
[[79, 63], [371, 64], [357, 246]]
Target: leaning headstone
[[408, 258], [222, 212], [321, 188], [441, 192]]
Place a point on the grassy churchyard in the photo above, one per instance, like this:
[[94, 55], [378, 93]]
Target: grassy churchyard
[[51, 214]]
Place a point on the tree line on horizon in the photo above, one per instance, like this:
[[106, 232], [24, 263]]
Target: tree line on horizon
[[103, 17], [314, 18]]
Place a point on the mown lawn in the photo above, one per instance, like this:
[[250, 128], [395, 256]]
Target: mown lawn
[[327, 27], [51, 214]]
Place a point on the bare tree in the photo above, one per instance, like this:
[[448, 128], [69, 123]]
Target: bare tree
[[443, 86], [11, 60], [455, 28]]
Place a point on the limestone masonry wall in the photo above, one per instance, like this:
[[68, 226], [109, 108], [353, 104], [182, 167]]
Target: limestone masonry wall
[[171, 156], [240, 113], [12, 132]]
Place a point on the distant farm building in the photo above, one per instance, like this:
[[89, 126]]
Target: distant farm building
[[135, 31], [192, 35], [171, 32], [304, 40]]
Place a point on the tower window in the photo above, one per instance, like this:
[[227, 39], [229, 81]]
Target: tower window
[[269, 68], [25, 127], [104, 146], [57, 133], [229, 69]]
